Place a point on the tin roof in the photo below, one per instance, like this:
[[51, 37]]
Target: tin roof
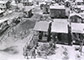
[[41, 26], [79, 1], [77, 27], [59, 26], [56, 6]]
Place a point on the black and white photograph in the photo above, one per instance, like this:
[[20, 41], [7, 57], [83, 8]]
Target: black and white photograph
[[41, 29]]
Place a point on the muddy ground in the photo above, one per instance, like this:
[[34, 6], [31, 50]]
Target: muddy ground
[[14, 38]]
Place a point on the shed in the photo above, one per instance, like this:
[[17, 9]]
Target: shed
[[57, 11], [77, 28], [43, 28], [60, 31]]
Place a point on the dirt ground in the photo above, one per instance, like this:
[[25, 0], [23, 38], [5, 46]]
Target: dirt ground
[[14, 39], [12, 43]]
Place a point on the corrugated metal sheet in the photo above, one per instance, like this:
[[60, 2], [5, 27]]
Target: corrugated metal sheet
[[41, 26], [59, 26]]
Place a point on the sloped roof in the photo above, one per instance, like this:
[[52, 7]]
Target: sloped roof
[[75, 14], [79, 1], [59, 26], [77, 27], [41, 26], [56, 6]]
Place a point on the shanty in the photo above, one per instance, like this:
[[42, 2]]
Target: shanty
[[41, 29]]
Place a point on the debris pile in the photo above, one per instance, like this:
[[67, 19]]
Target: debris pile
[[35, 49]]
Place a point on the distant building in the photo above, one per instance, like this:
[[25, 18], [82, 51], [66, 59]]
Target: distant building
[[58, 12], [24, 1], [17, 1], [27, 2], [4, 5]]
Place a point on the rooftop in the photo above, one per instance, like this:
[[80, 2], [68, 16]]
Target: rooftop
[[59, 26], [41, 26]]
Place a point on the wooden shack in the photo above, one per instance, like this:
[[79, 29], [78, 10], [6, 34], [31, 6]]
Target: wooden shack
[[42, 28], [57, 11], [60, 31], [77, 28]]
